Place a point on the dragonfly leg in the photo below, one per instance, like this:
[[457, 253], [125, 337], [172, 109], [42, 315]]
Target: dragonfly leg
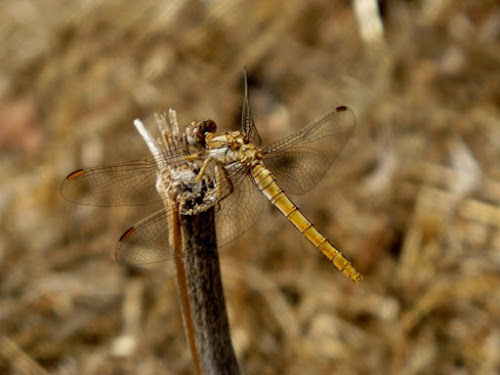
[[204, 168], [191, 157], [220, 174]]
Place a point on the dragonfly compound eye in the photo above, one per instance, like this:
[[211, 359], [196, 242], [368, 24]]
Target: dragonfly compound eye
[[208, 126], [197, 131]]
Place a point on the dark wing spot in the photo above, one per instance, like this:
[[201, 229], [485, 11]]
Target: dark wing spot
[[127, 234], [75, 174]]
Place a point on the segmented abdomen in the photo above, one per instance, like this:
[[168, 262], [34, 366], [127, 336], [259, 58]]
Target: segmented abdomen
[[268, 186]]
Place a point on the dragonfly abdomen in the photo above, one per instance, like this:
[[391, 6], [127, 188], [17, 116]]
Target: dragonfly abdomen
[[268, 186]]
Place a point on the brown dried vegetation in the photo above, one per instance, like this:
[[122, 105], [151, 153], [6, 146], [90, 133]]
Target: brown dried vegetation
[[413, 201]]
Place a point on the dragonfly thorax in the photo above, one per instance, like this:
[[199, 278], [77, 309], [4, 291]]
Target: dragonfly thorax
[[233, 147]]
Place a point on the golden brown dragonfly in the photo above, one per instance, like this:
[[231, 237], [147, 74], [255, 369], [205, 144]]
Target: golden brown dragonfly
[[233, 173]]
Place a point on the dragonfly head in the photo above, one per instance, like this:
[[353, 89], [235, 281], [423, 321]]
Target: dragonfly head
[[198, 130]]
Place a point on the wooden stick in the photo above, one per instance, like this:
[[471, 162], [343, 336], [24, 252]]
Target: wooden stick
[[193, 240], [206, 296], [177, 247]]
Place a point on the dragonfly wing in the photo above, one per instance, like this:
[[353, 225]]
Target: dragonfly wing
[[247, 125], [240, 209], [125, 183], [300, 161], [146, 242]]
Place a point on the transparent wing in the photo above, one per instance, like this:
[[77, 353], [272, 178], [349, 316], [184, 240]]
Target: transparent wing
[[126, 183], [239, 206], [247, 124], [145, 242], [239, 211], [300, 161]]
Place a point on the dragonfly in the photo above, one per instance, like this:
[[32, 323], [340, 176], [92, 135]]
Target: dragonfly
[[240, 175]]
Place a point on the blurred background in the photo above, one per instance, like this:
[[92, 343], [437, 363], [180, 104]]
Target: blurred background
[[413, 201]]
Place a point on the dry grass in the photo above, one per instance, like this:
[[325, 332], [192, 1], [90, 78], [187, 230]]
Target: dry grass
[[414, 199]]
